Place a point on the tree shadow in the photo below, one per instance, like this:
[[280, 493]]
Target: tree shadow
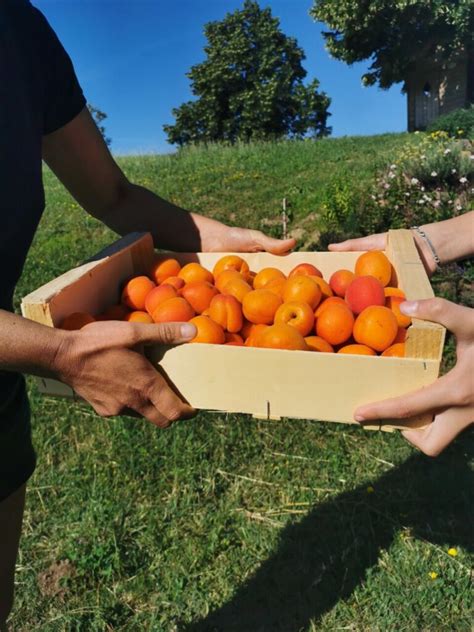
[[323, 558]]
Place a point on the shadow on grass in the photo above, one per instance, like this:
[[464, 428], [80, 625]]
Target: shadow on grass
[[323, 558]]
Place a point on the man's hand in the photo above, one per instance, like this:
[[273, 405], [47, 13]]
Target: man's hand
[[451, 397], [104, 364], [228, 239]]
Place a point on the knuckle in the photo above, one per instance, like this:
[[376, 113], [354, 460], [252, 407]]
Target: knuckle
[[112, 409], [436, 306], [173, 414]]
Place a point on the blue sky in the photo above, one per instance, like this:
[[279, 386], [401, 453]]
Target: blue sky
[[131, 57]]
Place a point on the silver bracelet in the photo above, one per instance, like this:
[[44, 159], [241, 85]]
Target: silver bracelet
[[424, 236]]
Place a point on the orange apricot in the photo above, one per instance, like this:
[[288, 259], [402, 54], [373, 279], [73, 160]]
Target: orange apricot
[[237, 288], [316, 343], [76, 320], [376, 327], [281, 336], [231, 262], [259, 306], [324, 286], [393, 291], [329, 301], [159, 295], [374, 263], [302, 288], [226, 310], [297, 314], [175, 281], [305, 269], [195, 272], [363, 292], [232, 338], [357, 350], [139, 317], [401, 335], [135, 292], [173, 310], [335, 323], [276, 286], [162, 269], [224, 277], [340, 281], [199, 295], [252, 339], [396, 350], [393, 303], [266, 275], [114, 312], [207, 331]]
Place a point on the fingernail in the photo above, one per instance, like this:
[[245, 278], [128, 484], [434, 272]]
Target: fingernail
[[409, 307], [188, 331], [359, 418]]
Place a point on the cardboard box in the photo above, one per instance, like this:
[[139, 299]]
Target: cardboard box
[[266, 383]]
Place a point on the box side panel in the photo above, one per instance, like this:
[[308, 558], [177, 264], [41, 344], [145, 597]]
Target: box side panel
[[276, 383]]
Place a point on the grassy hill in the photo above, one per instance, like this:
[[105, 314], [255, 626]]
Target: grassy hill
[[225, 522]]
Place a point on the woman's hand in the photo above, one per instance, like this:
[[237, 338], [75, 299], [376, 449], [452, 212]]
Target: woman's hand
[[451, 397], [229, 239], [104, 364]]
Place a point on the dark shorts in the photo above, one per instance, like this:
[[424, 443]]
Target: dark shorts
[[17, 456]]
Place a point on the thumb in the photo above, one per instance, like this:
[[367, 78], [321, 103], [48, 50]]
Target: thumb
[[164, 333], [275, 246], [371, 242], [454, 317]]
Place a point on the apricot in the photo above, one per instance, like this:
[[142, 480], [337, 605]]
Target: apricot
[[159, 295], [232, 338], [195, 272], [207, 331], [329, 301], [232, 262], [363, 292], [199, 295], [376, 326], [162, 269], [393, 303], [173, 310], [340, 281], [266, 275], [297, 314], [401, 335], [227, 312], [114, 312], [260, 306], [393, 291], [335, 323], [77, 320], [323, 286], [357, 350], [302, 288], [305, 269], [252, 339], [237, 288], [224, 277], [139, 317], [374, 263], [396, 350], [281, 336], [135, 292], [276, 286], [175, 281], [316, 343]]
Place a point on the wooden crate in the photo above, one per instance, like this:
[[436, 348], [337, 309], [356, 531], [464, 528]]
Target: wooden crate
[[266, 383]]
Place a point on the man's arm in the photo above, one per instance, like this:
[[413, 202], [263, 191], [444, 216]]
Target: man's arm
[[80, 158]]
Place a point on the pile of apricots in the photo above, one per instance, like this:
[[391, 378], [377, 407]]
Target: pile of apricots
[[355, 312]]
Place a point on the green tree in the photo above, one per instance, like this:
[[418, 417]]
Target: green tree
[[250, 85], [99, 117], [393, 34]]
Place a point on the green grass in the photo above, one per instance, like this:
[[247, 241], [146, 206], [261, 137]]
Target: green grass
[[224, 522]]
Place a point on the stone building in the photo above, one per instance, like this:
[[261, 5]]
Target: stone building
[[436, 88]]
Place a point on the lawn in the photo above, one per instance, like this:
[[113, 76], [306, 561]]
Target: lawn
[[223, 522]]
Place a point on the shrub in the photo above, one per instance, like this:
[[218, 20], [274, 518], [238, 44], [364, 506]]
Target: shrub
[[457, 124]]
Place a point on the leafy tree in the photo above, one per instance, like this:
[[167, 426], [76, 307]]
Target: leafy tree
[[393, 34], [98, 117], [250, 85]]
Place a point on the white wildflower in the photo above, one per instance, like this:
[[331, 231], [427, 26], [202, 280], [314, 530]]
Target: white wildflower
[[391, 175], [433, 174], [422, 188], [471, 157], [386, 186], [454, 171], [423, 156], [407, 194], [436, 203], [421, 201], [463, 180], [414, 181], [450, 201], [447, 151], [459, 207], [395, 166]]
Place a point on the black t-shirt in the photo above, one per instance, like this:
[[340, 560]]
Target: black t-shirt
[[39, 93]]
